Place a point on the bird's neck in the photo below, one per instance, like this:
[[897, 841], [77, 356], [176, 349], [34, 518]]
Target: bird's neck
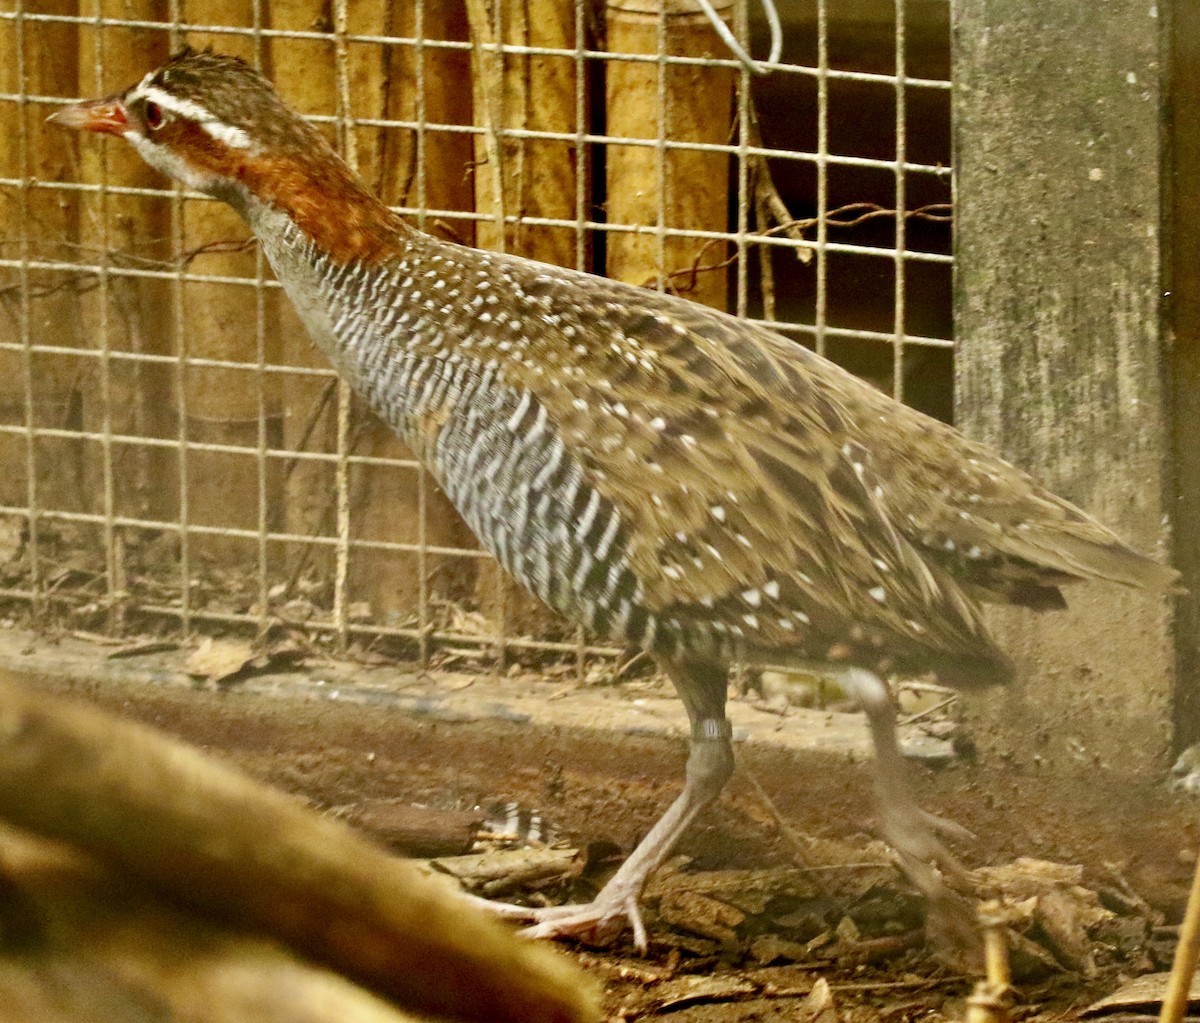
[[323, 199]]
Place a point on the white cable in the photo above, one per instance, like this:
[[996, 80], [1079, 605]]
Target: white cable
[[728, 38]]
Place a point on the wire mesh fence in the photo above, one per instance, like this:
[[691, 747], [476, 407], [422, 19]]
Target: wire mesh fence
[[173, 453]]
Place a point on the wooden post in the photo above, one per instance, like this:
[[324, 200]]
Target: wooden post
[[41, 225], [684, 189], [385, 501], [1183, 223], [304, 73], [1061, 356], [525, 177], [130, 314], [530, 93], [221, 322], [433, 172]]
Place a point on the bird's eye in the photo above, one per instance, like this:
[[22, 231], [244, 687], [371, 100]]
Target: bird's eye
[[154, 115]]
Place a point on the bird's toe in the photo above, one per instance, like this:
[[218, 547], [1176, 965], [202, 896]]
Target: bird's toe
[[599, 922]]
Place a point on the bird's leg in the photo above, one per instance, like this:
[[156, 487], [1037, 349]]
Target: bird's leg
[[906, 827], [709, 766]]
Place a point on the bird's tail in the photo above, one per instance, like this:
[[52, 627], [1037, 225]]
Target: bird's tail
[[1088, 553]]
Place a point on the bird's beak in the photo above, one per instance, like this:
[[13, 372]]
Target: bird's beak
[[100, 115]]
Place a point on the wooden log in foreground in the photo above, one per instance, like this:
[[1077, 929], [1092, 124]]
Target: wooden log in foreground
[[164, 814], [80, 945]]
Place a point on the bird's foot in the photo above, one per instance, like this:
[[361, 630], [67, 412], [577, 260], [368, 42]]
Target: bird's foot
[[915, 835], [598, 922], [950, 917]]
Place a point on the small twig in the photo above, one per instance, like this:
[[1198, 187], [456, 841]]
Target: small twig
[[310, 425], [766, 193], [318, 526], [220, 245], [693, 272], [928, 711], [447, 229], [620, 670], [798, 842], [766, 265], [83, 281], [794, 229], [926, 687], [897, 985]]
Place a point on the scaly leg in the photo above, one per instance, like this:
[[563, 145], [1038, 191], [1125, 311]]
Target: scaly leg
[[909, 830], [710, 764]]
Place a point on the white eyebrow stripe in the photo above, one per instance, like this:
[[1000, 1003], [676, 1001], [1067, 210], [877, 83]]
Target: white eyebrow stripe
[[231, 135]]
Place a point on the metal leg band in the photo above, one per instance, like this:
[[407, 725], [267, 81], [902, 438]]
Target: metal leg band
[[712, 729]]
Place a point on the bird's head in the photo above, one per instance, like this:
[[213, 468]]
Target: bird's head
[[212, 122], [204, 118]]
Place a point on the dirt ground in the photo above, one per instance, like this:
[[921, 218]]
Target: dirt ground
[[601, 762]]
